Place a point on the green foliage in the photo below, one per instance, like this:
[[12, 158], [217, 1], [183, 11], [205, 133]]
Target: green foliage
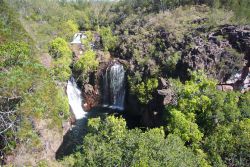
[[68, 29], [206, 115], [62, 55], [240, 7], [26, 90], [110, 143], [230, 144], [144, 90], [10, 27], [244, 105], [219, 16], [28, 133], [204, 124], [172, 61], [47, 102], [35, 96], [45, 20], [61, 69], [89, 40], [184, 126], [59, 48], [86, 63], [109, 41], [13, 54]]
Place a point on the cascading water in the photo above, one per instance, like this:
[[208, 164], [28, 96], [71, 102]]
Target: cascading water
[[114, 87], [75, 100], [73, 138]]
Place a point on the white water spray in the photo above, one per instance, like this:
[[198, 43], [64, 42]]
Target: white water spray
[[114, 87], [75, 99]]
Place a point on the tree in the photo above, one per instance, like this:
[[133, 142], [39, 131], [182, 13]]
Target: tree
[[185, 127], [109, 143], [59, 48], [212, 120], [244, 104], [229, 144]]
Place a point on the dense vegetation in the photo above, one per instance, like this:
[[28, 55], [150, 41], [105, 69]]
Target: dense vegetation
[[201, 126], [110, 143], [28, 92], [213, 125]]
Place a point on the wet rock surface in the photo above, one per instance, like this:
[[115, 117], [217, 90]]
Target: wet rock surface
[[91, 97]]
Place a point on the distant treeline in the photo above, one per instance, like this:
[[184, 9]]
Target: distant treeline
[[240, 7]]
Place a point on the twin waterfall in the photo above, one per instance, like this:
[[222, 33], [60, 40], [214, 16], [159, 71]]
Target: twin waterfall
[[113, 91], [114, 87], [75, 99]]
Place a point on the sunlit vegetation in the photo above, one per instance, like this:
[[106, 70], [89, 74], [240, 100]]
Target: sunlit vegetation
[[86, 63], [109, 41], [204, 117], [144, 90], [110, 143], [27, 92], [204, 127], [67, 29], [62, 55]]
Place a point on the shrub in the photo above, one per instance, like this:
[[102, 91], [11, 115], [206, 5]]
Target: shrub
[[89, 40], [13, 54], [144, 90], [87, 62], [62, 55], [59, 48], [68, 29], [172, 61], [109, 41]]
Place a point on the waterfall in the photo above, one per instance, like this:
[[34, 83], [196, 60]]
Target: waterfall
[[77, 38], [75, 100], [114, 87]]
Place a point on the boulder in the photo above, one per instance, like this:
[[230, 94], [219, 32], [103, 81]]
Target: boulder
[[167, 100], [163, 83], [89, 89], [165, 92], [91, 97], [168, 95]]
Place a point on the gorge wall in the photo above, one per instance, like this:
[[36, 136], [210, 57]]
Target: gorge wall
[[223, 53]]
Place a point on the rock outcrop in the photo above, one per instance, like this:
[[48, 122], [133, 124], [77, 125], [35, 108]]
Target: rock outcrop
[[223, 54], [166, 92], [91, 96]]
